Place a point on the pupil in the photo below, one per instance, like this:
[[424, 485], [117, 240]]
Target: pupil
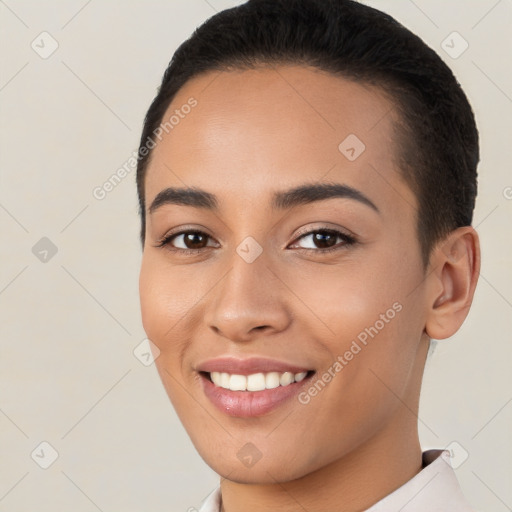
[[321, 238], [191, 240]]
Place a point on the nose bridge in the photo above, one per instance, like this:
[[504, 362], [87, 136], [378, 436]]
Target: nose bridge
[[248, 298]]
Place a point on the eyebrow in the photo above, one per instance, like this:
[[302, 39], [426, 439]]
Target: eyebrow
[[282, 200]]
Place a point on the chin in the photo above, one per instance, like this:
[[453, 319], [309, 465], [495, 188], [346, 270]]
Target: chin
[[256, 476], [266, 470]]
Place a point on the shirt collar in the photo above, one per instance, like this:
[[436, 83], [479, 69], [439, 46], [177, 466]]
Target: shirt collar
[[434, 489]]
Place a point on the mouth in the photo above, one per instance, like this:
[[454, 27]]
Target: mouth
[[251, 389]]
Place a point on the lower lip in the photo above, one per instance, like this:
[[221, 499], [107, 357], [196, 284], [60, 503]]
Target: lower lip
[[247, 404]]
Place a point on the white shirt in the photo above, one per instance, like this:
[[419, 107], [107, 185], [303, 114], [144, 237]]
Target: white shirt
[[434, 489]]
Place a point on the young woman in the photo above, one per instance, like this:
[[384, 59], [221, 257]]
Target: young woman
[[307, 179]]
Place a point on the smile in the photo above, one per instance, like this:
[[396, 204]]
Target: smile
[[251, 387]]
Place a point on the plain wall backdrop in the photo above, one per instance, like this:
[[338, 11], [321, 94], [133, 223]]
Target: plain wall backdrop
[[76, 79]]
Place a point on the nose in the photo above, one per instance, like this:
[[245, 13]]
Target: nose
[[248, 302]]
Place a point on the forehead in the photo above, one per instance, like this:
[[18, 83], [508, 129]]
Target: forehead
[[252, 132]]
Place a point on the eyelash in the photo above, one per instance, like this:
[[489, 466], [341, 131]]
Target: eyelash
[[348, 240]]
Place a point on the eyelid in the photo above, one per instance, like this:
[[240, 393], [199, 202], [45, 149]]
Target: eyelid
[[180, 230], [310, 230]]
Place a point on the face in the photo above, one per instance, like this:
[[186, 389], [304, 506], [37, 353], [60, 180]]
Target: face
[[295, 281]]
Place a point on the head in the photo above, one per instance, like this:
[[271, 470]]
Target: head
[[275, 120]]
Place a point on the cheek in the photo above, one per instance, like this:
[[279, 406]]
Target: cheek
[[371, 319], [151, 302], [165, 301], [166, 296], [342, 301]]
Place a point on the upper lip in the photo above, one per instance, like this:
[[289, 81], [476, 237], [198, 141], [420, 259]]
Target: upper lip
[[248, 366]]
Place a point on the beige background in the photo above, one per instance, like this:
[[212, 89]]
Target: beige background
[[70, 324]]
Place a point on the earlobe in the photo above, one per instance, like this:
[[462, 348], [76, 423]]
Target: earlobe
[[453, 275]]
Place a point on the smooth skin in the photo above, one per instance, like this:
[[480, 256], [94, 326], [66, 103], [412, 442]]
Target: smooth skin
[[254, 133]]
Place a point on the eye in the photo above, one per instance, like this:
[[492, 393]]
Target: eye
[[190, 241], [322, 240], [325, 240]]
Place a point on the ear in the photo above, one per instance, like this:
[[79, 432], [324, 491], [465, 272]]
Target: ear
[[452, 276]]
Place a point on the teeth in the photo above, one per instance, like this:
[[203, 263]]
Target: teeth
[[255, 381], [223, 380], [286, 378], [238, 382], [272, 380], [300, 376]]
